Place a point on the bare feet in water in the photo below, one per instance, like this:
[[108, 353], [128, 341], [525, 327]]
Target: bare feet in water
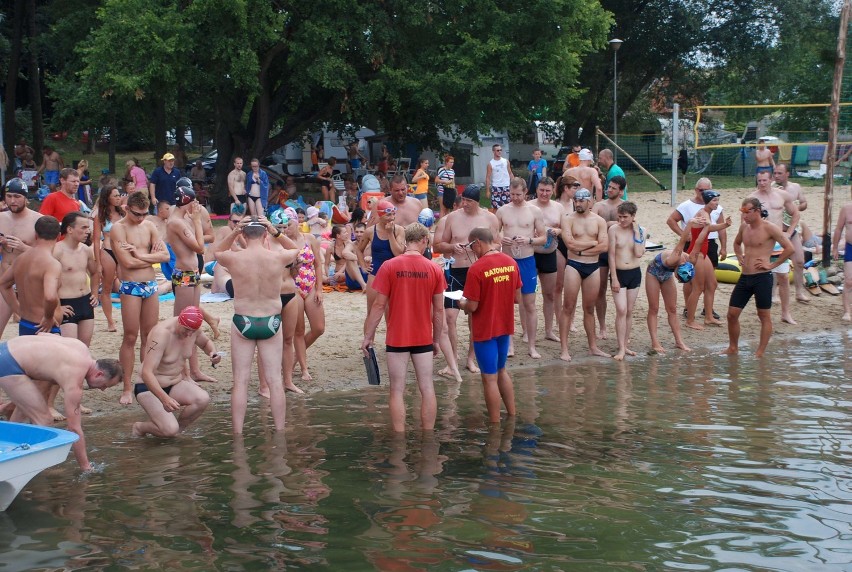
[[292, 387], [565, 356], [451, 374], [596, 351]]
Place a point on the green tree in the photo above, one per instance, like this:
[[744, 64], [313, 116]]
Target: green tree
[[266, 72]]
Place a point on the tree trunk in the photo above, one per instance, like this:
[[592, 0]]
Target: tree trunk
[[113, 135], [159, 127], [34, 79], [10, 127]]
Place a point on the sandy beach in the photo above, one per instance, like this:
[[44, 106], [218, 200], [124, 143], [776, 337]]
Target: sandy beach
[[335, 361]]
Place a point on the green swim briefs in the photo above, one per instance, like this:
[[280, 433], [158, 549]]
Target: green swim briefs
[[257, 328]]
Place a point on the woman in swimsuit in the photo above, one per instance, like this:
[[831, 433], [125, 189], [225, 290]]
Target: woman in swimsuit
[[346, 269], [385, 240], [107, 211], [705, 276], [307, 274], [658, 281]]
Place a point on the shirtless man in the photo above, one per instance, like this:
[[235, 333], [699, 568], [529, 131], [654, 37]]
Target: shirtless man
[[607, 209], [137, 247], [407, 208], [545, 255], [26, 377], [764, 159], [587, 175], [17, 234], [844, 221], [758, 237], [454, 243], [782, 180], [237, 183], [185, 236], [51, 164], [585, 236], [522, 227], [162, 388], [35, 273], [221, 276], [777, 202], [79, 279], [256, 324], [161, 219]]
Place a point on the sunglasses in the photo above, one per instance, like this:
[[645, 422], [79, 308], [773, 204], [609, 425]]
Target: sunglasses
[[470, 244], [134, 213]]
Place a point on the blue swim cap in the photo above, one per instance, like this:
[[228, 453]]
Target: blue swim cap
[[279, 217], [685, 272], [426, 217]]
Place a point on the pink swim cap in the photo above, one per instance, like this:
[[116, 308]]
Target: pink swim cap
[[191, 317]]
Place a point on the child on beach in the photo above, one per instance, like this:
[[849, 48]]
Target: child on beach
[[626, 248]]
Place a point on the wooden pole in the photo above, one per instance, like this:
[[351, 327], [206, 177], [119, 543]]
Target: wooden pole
[[635, 162], [834, 113]]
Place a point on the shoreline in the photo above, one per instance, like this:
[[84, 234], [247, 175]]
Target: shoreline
[[336, 364]]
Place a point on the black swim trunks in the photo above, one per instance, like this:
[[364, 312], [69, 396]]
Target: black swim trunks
[[285, 299], [585, 269], [757, 285], [142, 388], [603, 259], [455, 281], [561, 247], [629, 279], [82, 308], [545, 263], [410, 349]]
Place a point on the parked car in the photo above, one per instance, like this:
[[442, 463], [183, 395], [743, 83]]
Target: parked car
[[558, 165]]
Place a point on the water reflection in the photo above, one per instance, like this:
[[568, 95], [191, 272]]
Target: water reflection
[[671, 462]]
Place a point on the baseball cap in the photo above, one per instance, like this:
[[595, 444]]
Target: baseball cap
[[168, 157], [582, 195], [191, 317], [471, 192], [586, 155]]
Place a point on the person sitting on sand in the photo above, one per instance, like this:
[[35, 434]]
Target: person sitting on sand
[[163, 386], [346, 269], [26, 377]]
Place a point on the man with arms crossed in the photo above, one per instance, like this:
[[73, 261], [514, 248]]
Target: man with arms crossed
[[585, 236], [522, 226], [777, 203], [162, 387], [493, 287], [17, 234], [256, 274], [454, 243], [545, 255], [758, 237], [411, 289], [26, 377], [844, 221], [137, 246]]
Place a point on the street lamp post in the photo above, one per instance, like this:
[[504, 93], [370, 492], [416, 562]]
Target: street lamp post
[[615, 43]]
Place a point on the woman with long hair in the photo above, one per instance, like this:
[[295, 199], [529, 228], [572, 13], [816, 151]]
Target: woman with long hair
[[108, 210], [421, 179]]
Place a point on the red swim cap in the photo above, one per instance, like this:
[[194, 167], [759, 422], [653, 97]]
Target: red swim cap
[[190, 317], [385, 208]]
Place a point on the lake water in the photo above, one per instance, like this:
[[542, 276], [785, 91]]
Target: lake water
[[665, 463]]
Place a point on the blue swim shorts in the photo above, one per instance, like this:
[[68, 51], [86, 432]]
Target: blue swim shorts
[[491, 354], [529, 275]]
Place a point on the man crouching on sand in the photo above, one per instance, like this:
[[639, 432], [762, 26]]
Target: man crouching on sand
[[164, 388]]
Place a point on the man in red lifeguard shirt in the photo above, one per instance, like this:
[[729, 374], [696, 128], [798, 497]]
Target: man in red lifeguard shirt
[[64, 200], [412, 288], [492, 289]]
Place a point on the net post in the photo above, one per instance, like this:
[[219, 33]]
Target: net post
[[675, 150]]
